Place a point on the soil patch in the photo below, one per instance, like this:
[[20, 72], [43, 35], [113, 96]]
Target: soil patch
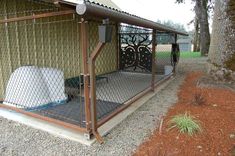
[[216, 116]]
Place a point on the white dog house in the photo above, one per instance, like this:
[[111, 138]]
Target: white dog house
[[32, 87]]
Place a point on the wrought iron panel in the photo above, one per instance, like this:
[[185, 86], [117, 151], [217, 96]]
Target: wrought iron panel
[[135, 53]]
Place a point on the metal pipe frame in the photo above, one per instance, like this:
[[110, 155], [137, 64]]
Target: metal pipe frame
[[37, 16], [84, 45], [149, 33], [92, 60]]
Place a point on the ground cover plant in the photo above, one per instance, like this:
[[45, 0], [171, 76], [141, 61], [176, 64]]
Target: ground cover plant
[[185, 123], [217, 121]]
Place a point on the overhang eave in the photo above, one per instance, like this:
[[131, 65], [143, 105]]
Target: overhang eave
[[101, 11]]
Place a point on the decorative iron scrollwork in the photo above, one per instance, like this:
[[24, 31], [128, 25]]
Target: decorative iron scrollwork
[[135, 52]]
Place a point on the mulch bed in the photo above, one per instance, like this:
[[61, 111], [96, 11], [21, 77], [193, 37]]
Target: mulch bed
[[216, 116]]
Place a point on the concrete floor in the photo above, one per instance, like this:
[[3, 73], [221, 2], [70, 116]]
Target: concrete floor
[[111, 94], [122, 86], [73, 112]]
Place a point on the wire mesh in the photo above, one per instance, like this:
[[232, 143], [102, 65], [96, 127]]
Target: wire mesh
[[106, 63], [41, 63], [117, 86], [128, 76], [163, 61]]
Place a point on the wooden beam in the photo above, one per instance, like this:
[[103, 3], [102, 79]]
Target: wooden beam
[[37, 16]]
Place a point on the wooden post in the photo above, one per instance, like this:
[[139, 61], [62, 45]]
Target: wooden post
[[84, 45], [153, 58]]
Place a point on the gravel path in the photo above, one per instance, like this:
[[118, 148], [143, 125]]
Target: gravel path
[[18, 139]]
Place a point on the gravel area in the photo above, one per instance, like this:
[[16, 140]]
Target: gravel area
[[18, 139]]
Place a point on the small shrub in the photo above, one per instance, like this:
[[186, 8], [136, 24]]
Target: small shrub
[[185, 123], [198, 99]]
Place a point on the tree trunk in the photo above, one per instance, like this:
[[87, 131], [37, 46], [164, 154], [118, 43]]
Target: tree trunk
[[202, 14], [222, 54], [198, 41], [196, 35]]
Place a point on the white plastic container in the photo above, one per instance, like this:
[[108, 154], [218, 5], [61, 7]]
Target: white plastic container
[[168, 70], [54, 79], [32, 87]]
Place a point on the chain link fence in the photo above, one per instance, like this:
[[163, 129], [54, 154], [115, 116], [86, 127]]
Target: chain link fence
[[116, 88], [164, 55], [41, 63]]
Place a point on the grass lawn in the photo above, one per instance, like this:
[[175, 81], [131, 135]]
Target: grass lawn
[[182, 54]]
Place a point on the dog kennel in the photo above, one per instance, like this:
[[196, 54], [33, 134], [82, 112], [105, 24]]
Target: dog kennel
[[79, 64]]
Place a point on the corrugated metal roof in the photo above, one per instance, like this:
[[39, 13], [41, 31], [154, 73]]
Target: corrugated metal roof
[[107, 5]]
